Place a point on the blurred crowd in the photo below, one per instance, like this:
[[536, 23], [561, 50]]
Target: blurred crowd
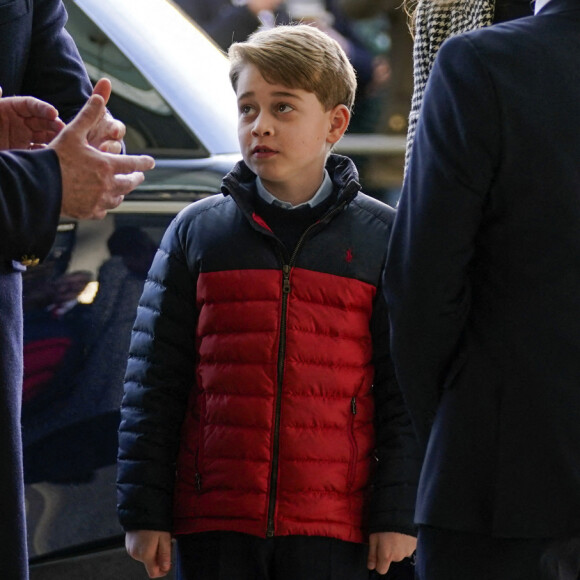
[[373, 33]]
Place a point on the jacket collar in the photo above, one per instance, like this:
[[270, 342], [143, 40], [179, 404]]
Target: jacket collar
[[240, 183]]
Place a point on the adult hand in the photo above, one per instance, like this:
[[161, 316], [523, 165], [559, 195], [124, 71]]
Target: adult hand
[[93, 181], [107, 135], [152, 548], [387, 547], [25, 121], [257, 6]]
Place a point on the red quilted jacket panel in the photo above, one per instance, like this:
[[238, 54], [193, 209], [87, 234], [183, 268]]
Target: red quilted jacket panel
[[264, 451]]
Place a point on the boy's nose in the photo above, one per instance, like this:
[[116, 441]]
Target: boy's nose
[[262, 126]]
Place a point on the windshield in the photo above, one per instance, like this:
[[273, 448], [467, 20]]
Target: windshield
[[152, 126]]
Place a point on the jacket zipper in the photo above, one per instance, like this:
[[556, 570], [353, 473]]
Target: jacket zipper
[[286, 289]]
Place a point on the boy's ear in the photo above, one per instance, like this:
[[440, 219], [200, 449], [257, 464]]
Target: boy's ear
[[339, 120]]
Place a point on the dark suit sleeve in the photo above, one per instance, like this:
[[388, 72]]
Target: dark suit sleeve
[[55, 72], [453, 161], [30, 181], [30, 200]]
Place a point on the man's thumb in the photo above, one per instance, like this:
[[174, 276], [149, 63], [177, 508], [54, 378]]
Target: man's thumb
[[103, 88], [89, 115]]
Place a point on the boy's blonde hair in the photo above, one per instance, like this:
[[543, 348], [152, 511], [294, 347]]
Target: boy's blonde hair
[[299, 57]]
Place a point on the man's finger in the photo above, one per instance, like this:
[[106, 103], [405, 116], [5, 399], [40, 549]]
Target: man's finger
[[38, 108], [125, 183], [38, 125], [89, 115], [114, 147], [112, 128], [29, 107], [130, 163], [40, 139], [103, 88]]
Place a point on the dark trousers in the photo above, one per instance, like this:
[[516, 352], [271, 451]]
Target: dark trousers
[[450, 555], [234, 556]]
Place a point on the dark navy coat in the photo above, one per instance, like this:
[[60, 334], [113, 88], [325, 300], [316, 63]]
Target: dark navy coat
[[483, 280], [38, 58]]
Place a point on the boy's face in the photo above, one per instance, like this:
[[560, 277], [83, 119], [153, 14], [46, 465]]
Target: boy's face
[[285, 135]]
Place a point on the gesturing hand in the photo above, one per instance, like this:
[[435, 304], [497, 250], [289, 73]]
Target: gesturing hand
[[107, 134], [93, 181], [25, 121]]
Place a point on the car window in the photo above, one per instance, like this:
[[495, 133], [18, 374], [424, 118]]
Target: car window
[[152, 125], [79, 308]]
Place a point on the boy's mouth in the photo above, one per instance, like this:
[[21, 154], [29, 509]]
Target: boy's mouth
[[263, 151]]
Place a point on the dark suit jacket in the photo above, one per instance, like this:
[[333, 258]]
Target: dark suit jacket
[[37, 57], [483, 280]]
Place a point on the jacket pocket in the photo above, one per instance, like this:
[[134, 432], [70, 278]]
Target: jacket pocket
[[12, 9], [353, 445]]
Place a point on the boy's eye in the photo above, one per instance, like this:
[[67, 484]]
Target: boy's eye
[[284, 108], [245, 109]]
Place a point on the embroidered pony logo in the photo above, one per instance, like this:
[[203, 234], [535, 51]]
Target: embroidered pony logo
[[348, 256]]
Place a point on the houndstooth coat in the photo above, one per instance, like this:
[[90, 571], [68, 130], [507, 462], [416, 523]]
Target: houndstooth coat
[[435, 21]]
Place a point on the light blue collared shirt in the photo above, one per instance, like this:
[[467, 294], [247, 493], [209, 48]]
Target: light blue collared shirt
[[539, 4], [322, 193]]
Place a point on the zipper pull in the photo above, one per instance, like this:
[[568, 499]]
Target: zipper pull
[[353, 405], [286, 288], [198, 481]]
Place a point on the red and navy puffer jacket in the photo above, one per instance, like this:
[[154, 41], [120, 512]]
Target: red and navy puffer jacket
[[256, 377]]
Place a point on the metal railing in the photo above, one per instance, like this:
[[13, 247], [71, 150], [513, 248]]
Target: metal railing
[[371, 144]]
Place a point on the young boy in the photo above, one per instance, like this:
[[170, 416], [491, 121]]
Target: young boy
[[261, 422]]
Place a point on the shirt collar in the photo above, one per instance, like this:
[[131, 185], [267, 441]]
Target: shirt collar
[[322, 193], [539, 4]]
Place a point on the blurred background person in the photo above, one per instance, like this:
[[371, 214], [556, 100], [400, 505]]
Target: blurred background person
[[228, 21]]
